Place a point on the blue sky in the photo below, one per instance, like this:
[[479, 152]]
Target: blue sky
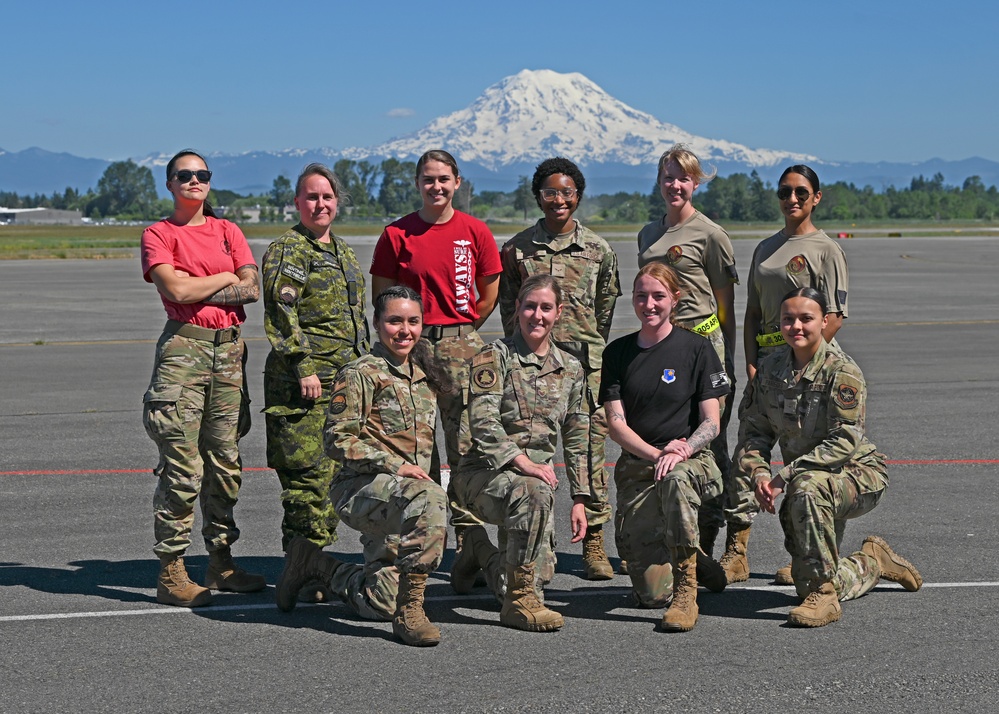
[[847, 81]]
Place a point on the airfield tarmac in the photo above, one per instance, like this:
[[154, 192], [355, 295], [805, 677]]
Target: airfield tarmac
[[80, 628]]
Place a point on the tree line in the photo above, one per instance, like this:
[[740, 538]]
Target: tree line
[[386, 190]]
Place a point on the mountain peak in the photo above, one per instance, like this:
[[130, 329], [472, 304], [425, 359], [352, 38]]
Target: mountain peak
[[535, 114]]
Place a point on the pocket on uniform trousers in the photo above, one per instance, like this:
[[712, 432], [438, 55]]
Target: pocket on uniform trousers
[[161, 413]]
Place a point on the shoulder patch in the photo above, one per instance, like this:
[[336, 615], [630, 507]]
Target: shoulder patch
[[484, 376], [288, 294], [294, 272], [846, 396], [482, 357], [338, 403]]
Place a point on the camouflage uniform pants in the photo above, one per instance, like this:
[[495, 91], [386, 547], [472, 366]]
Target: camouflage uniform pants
[[456, 353], [400, 518], [522, 508], [740, 496], [655, 516], [814, 514], [195, 410], [712, 512], [295, 451], [598, 507]]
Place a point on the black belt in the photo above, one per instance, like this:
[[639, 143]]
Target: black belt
[[216, 337], [439, 332]]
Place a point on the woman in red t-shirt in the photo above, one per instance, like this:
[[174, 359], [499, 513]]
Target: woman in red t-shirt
[[451, 259], [195, 407]]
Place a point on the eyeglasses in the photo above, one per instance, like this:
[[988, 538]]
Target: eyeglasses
[[549, 194], [784, 192], [185, 175]]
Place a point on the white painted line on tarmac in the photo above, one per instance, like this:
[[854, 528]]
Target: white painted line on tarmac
[[553, 596]]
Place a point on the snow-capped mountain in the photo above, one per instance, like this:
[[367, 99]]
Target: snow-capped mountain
[[536, 114], [502, 135]]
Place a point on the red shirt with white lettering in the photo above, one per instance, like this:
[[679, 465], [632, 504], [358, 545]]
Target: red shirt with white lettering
[[440, 261]]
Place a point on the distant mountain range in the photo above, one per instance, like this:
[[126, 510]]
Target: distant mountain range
[[502, 135]]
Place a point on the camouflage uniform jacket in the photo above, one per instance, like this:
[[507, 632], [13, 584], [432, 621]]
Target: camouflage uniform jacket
[[818, 419], [313, 306], [587, 269], [519, 402], [381, 416]]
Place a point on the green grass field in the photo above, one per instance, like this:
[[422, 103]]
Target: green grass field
[[108, 242]]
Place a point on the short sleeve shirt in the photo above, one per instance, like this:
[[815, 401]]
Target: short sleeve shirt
[[700, 252], [440, 261], [781, 264], [216, 246], [661, 387]]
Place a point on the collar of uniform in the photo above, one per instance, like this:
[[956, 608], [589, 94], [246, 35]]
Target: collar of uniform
[[380, 350], [811, 369], [549, 363], [330, 247], [542, 236]]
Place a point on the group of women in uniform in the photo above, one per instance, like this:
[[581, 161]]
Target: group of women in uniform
[[351, 430]]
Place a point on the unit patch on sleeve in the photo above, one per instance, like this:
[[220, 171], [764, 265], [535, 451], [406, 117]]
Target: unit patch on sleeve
[[846, 396]]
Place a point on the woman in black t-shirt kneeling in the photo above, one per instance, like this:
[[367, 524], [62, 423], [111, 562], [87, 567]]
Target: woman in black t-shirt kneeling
[[660, 387]]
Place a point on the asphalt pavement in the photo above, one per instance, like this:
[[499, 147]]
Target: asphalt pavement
[[80, 629]]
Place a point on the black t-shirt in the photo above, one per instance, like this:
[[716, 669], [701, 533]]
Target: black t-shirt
[[661, 387]]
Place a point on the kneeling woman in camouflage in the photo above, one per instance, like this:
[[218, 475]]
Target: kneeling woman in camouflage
[[380, 426], [661, 387], [523, 391], [810, 397]]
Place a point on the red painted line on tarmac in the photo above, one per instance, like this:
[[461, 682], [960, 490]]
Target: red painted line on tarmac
[[101, 472]]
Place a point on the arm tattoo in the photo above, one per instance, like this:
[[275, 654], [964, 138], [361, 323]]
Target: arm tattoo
[[245, 291], [703, 435], [616, 415]]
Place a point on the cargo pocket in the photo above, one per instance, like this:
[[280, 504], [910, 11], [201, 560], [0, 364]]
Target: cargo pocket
[[160, 412]]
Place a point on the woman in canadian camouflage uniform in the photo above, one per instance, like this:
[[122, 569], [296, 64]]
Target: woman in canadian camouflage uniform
[[381, 429], [314, 319], [524, 391], [811, 397]]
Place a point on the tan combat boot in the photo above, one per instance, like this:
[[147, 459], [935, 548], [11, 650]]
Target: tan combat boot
[[710, 573], [410, 623], [595, 563], [819, 609], [893, 566], [682, 613], [174, 587], [521, 608], [224, 574], [783, 576], [734, 560]]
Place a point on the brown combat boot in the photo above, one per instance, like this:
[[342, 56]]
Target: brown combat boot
[[893, 566], [595, 563], [710, 573], [783, 576], [301, 567], [734, 561], [174, 587], [521, 608], [224, 574], [819, 609], [682, 613], [410, 623]]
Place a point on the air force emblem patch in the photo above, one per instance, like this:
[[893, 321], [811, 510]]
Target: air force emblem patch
[[669, 376]]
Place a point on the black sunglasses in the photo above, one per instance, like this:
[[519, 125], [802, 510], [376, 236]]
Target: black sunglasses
[[185, 175], [784, 192]]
